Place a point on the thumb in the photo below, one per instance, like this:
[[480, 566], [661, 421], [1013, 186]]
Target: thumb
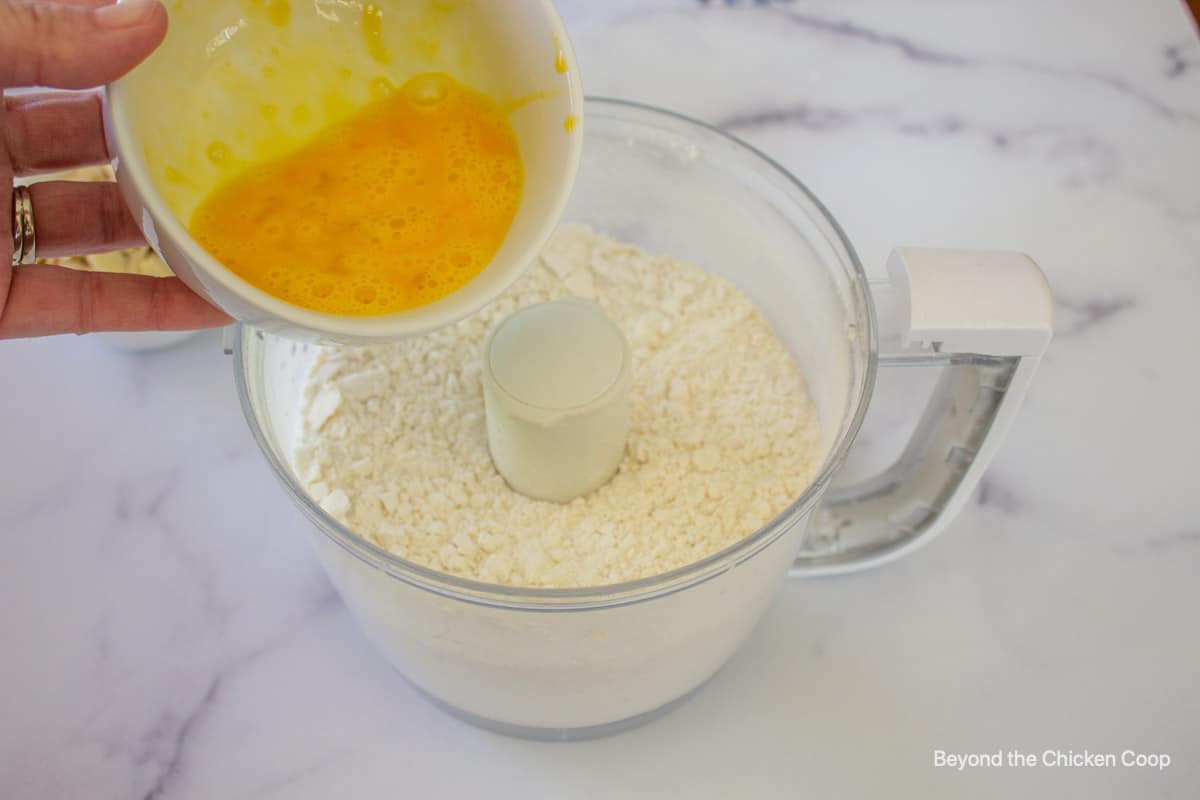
[[76, 46]]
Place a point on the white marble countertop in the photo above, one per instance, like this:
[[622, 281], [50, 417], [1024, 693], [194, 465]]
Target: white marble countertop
[[167, 633]]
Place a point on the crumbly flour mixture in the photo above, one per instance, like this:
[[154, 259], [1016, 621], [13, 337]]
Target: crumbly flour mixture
[[723, 434]]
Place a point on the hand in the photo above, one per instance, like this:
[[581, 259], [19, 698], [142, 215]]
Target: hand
[[76, 44]]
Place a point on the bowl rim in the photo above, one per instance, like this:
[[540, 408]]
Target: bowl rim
[[541, 599], [158, 221]]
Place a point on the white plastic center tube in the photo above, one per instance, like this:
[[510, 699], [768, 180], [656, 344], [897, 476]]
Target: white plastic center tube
[[556, 382]]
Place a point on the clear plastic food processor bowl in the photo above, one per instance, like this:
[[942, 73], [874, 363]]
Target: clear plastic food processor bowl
[[574, 663]]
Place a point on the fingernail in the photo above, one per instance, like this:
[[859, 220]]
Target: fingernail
[[125, 14]]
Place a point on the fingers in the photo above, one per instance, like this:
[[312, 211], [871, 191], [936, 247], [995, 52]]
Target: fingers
[[79, 218], [53, 131], [46, 300], [77, 45]]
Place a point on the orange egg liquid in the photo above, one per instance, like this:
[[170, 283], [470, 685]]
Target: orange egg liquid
[[391, 209]]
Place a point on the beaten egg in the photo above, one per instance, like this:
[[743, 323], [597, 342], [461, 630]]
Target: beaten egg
[[390, 209]]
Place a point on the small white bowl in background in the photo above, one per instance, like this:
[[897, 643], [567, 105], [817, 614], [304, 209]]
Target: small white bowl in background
[[142, 341]]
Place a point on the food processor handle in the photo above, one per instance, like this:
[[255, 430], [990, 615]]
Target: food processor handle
[[985, 317]]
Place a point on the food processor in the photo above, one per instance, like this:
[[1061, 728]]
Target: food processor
[[574, 663]]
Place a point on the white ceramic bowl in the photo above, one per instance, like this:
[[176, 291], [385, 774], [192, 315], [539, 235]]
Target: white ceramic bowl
[[142, 341], [219, 64]]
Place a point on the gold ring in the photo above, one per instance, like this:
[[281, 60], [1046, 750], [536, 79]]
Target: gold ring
[[23, 230]]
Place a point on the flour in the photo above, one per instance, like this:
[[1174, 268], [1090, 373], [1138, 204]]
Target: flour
[[723, 436]]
